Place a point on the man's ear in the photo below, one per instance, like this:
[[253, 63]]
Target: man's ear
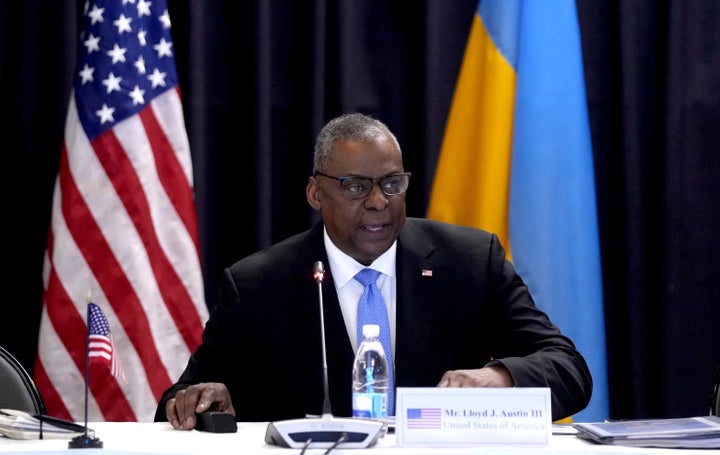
[[312, 192]]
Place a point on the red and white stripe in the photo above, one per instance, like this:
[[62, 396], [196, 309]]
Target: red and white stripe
[[124, 228]]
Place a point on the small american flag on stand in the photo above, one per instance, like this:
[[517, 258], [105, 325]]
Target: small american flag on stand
[[100, 343]]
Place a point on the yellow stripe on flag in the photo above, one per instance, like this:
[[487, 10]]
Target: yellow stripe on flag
[[477, 141]]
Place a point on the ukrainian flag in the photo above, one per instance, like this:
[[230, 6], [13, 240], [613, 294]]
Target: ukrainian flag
[[517, 160]]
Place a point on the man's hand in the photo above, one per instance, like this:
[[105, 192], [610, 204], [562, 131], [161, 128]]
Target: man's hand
[[182, 410], [494, 376]]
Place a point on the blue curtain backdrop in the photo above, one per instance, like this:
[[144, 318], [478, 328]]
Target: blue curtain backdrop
[[259, 78]]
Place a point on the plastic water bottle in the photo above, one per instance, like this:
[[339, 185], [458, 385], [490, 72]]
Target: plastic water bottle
[[370, 377]]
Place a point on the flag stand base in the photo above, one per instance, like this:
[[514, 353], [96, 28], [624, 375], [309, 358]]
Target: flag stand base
[[85, 442]]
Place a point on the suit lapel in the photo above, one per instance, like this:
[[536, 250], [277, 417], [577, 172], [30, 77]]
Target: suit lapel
[[417, 294]]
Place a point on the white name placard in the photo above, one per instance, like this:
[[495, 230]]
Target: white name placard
[[434, 416]]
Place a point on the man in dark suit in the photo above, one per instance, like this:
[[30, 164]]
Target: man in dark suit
[[459, 314]]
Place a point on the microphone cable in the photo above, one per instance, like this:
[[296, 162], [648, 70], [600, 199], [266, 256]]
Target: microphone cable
[[343, 437]]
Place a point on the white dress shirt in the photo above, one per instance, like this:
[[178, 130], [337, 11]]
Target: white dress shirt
[[344, 268]]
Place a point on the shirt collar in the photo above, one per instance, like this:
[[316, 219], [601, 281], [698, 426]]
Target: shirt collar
[[344, 267]]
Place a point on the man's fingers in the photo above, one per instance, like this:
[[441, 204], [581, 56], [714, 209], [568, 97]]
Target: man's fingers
[[189, 422], [182, 410], [183, 406], [206, 400], [171, 413]]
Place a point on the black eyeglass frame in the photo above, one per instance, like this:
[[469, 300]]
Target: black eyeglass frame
[[376, 181]]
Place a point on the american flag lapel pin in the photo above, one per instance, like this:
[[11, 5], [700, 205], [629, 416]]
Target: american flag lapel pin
[[426, 272]]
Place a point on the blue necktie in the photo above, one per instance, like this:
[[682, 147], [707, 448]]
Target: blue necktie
[[371, 310]]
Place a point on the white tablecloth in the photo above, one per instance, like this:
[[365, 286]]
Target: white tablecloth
[[155, 438]]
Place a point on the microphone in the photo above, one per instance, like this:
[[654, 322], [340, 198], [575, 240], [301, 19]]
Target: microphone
[[325, 431]]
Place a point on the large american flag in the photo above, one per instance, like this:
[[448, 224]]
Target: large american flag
[[123, 223]]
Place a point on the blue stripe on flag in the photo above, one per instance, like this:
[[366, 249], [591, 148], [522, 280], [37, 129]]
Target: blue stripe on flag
[[553, 214]]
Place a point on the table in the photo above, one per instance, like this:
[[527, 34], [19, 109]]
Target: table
[[156, 438]]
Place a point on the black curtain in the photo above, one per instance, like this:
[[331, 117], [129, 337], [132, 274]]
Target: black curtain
[[652, 71], [259, 78]]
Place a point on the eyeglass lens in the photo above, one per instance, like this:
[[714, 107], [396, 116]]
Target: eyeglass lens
[[358, 187]]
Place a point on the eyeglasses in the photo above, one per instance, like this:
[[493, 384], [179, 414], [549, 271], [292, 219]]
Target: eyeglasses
[[359, 187]]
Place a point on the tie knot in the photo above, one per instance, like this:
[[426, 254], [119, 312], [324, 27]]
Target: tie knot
[[367, 277]]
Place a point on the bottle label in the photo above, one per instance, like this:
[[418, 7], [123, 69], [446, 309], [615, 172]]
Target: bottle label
[[369, 405]]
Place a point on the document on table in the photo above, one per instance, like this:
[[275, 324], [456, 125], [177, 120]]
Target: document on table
[[686, 432], [18, 424]]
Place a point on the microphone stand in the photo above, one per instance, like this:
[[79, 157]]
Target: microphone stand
[[319, 275], [326, 431]]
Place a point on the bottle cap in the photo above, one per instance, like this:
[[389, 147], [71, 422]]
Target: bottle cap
[[371, 330]]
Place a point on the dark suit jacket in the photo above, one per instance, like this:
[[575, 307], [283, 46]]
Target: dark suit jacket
[[263, 338]]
